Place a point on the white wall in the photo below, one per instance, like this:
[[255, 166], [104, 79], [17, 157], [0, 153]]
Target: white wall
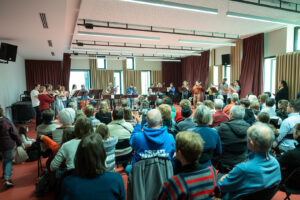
[[117, 64], [275, 42], [219, 52], [12, 81]]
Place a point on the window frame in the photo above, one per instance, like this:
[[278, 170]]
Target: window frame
[[133, 63], [105, 62], [225, 73], [142, 81], [213, 82], [121, 80], [272, 59], [296, 38]]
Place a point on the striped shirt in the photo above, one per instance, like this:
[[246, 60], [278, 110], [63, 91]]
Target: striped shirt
[[195, 182], [109, 146]]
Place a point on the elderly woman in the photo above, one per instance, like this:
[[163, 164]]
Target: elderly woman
[[8, 138], [167, 121], [212, 141]]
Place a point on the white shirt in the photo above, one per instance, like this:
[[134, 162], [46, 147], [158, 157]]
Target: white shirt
[[35, 101]]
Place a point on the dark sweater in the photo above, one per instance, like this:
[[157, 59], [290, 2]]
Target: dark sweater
[[8, 135], [107, 186], [106, 118]]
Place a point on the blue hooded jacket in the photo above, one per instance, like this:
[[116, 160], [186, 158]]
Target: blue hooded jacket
[[151, 143]]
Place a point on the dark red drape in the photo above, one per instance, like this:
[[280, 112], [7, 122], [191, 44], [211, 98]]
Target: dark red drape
[[251, 77], [43, 72], [171, 73], [66, 70], [196, 68]]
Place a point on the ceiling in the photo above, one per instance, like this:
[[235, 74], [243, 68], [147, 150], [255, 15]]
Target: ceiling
[[24, 27]]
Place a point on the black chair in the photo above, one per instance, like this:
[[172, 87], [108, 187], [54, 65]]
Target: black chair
[[264, 194], [291, 184]]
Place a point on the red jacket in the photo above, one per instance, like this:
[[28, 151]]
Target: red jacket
[[218, 118], [45, 101]]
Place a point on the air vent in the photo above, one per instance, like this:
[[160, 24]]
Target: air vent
[[50, 43], [44, 20], [52, 53], [80, 44]]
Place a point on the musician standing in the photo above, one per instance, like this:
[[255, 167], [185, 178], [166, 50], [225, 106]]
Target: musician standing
[[223, 89], [84, 97], [185, 90], [130, 91], [196, 91], [112, 90], [171, 90]]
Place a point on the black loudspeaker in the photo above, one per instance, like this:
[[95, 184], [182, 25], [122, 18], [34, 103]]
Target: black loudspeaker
[[226, 59], [22, 111], [8, 52]]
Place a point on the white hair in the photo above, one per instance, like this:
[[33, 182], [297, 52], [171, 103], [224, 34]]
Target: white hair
[[252, 98], [67, 116], [203, 115], [219, 103], [220, 97], [238, 112]]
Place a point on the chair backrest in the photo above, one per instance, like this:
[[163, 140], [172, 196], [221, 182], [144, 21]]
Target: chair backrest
[[147, 177], [293, 180], [264, 194], [122, 144]]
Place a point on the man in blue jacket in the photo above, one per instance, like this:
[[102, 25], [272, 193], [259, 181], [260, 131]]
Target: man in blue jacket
[[130, 91], [153, 140]]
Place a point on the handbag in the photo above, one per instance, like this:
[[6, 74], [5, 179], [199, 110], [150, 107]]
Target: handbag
[[21, 155]]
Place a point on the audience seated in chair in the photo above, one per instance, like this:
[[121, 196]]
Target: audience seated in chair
[[68, 150], [285, 139], [178, 116], [128, 116], [104, 115], [194, 181], [167, 120], [234, 139], [187, 121], [290, 160], [270, 109], [122, 129], [260, 171], [219, 116], [234, 101], [249, 113], [89, 113], [264, 117], [212, 142], [90, 179], [109, 143], [169, 101]]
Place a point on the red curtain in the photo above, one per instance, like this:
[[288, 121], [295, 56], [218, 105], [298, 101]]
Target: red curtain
[[171, 73], [251, 77], [43, 72], [66, 70], [196, 68]]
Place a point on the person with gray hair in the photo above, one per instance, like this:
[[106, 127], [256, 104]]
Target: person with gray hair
[[212, 142], [234, 141], [260, 171], [219, 116], [234, 101], [153, 140]]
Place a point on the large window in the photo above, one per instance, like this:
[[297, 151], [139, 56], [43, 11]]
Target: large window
[[269, 75], [79, 77], [118, 80], [226, 73], [297, 39], [130, 63], [101, 62], [146, 79], [216, 75]]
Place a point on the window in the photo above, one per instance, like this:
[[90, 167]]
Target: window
[[118, 80], [146, 78], [269, 75], [216, 75], [79, 77], [226, 73], [101, 62], [130, 63], [297, 39]]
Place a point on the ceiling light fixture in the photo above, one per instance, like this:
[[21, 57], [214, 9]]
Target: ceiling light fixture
[[179, 53], [117, 36], [180, 6], [100, 50], [208, 42], [262, 19], [161, 60]]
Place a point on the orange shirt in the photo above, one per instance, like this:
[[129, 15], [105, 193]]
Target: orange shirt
[[227, 108], [196, 89]]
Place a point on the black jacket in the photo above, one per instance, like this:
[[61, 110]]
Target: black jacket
[[106, 119], [233, 136], [282, 94], [9, 135], [249, 116]]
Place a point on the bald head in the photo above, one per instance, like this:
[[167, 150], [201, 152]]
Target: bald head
[[154, 118], [261, 136]]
